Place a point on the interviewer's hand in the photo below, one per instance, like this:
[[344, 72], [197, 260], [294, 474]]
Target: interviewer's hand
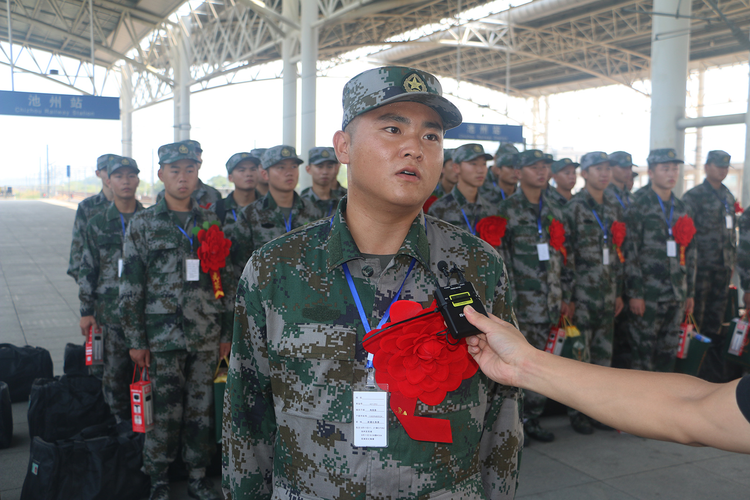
[[500, 349]]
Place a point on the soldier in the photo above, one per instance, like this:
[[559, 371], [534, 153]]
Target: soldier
[[593, 279], [743, 256], [98, 282], [262, 185], [660, 288], [323, 169], [464, 206], [448, 176], [712, 205], [534, 266], [622, 177], [282, 209], [204, 194], [564, 173], [298, 357], [502, 178], [172, 318], [86, 210]]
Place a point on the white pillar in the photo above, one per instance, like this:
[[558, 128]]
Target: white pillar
[[126, 110], [290, 10], [309, 58], [670, 48], [182, 80]]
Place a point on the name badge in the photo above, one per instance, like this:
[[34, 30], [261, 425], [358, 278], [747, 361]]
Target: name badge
[[730, 222], [192, 269], [119, 267], [671, 248], [542, 250], [371, 419], [605, 256]]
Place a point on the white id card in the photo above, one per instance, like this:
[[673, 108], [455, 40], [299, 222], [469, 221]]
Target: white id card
[[605, 256], [542, 249], [192, 269], [671, 248], [119, 267], [371, 419], [730, 222]]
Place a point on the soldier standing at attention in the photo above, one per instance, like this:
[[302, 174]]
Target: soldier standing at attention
[[99, 281], [282, 209], [660, 286], [502, 177], [564, 173], [448, 176], [172, 319], [622, 177], [464, 206], [743, 256], [323, 169], [593, 279], [532, 251], [86, 210], [204, 194], [262, 185], [712, 205], [306, 300]]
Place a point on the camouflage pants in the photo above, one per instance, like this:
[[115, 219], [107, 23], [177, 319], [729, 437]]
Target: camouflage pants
[[711, 295], [599, 328], [116, 373], [620, 343], [536, 334], [654, 337], [182, 384]]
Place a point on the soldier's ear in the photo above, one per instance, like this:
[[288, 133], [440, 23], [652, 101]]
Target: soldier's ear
[[264, 174], [341, 144]]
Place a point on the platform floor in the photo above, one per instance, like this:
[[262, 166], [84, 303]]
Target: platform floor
[[39, 306]]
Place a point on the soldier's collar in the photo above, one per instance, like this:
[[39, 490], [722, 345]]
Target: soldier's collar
[[270, 204], [112, 212]]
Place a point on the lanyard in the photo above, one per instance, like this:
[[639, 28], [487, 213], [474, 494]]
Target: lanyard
[[502, 192], [472, 229], [330, 208], [288, 223], [234, 214], [360, 309], [190, 238], [122, 221], [620, 200], [726, 205], [671, 211], [539, 218], [604, 230]]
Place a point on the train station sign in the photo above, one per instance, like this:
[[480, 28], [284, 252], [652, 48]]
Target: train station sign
[[59, 105], [486, 132]]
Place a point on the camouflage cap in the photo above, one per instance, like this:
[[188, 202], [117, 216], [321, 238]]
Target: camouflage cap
[[170, 153], [380, 86], [447, 155], [469, 152], [561, 164], [258, 153], [274, 155], [236, 158], [118, 162], [506, 160], [321, 154], [103, 160], [506, 148], [719, 158], [664, 155], [621, 159], [195, 144], [529, 157], [593, 158]]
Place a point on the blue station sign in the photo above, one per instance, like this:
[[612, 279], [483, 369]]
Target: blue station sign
[[486, 132], [59, 105]]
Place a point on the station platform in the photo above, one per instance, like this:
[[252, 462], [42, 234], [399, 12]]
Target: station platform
[[39, 306]]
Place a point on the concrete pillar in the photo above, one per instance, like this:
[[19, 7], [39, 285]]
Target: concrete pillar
[[290, 10], [182, 80], [126, 110], [670, 48], [309, 59]]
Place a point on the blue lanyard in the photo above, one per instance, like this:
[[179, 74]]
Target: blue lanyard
[[620, 200], [671, 211], [190, 238], [472, 229], [604, 230], [235, 215], [288, 223], [360, 309], [539, 218], [122, 221], [330, 208], [502, 192]]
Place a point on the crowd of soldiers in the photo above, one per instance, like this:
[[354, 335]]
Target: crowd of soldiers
[[140, 282]]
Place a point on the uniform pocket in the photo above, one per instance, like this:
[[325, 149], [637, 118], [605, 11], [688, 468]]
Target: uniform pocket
[[165, 277]]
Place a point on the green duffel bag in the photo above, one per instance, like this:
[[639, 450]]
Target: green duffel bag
[[690, 356]]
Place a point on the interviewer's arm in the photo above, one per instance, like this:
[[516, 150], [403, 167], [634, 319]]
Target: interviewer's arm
[[665, 406]]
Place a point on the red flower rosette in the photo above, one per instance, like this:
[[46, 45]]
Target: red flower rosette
[[213, 252], [618, 231], [413, 359], [427, 204], [738, 208], [683, 232], [557, 238], [492, 229]]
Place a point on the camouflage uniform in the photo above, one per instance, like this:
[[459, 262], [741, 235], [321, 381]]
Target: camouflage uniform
[[325, 207], [536, 284], [661, 281], [491, 190], [717, 251], [552, 193], [297, 356], [743, 251], [98, 285], [86, 210], [179, 321]]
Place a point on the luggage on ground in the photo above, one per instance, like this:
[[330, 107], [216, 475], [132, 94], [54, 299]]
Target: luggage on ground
[[6, 416], [20, 366]]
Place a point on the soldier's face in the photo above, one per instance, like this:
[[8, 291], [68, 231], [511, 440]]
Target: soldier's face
[[664, 175], [598, 176], [282, 176], [324, 172], [472, 172], [180, 178], [622, 174], [566, 178], [449, 173], [508, 175], [394, 153], [535, 175], [244, 176], [716, 174], [123, 182]]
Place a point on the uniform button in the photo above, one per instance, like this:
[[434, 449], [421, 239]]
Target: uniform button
[[367, 271]]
